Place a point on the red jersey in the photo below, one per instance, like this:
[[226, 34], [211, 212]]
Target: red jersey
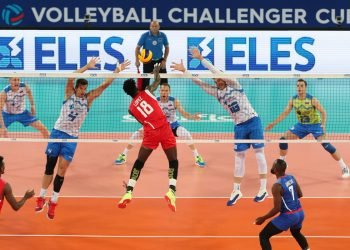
[[145, 108], [2, 187]]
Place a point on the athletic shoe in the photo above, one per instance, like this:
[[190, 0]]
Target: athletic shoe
[[51, 210], [120, 160], [261, 196], [125, 199], [235, 196], [199, 161], [345, 173], [40, 204], [171, 199]]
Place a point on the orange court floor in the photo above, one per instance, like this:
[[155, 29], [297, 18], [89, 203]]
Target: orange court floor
[[87, 216]]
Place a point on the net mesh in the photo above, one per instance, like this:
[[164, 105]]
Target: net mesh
[[108, 119]]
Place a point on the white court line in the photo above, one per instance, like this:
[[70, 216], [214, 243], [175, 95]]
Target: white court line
[[169, 236], [184, 197]]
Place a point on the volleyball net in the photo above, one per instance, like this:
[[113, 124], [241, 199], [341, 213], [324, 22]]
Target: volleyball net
[[108, 119]]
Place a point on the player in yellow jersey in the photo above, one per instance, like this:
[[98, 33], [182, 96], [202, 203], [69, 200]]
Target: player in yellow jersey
[[312, 119]]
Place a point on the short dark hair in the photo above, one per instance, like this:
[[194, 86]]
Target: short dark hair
[[129, 87], [81, 81], [279, 165], [165, 84], [302, 80], [1, 161]]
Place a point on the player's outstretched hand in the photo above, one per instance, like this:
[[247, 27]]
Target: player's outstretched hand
[[178, 66]]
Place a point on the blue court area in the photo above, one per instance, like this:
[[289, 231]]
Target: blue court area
[[269, 97]]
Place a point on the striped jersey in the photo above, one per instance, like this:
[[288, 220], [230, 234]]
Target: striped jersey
[[290, 199], [15, 101], [305, 111], [73, 114], [168, 108]]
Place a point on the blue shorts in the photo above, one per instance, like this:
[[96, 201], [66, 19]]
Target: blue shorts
[[66, 149], [251, 129], [174, 126], [285, 221], [25, 118], [302, 130]]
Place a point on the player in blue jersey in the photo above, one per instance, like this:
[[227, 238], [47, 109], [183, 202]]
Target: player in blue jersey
[[312, 119], [286, 193], [13, 105], [232, 97], [73, 113], [153, 40]]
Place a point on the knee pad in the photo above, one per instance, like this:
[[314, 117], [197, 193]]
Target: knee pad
[[183, 133], [329, 147], [239, 164], [283, 146], [50, 165], [260, 158]]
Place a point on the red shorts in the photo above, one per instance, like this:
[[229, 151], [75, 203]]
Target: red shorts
[[163, 135]]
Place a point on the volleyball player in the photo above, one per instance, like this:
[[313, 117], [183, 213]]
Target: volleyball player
[[247, 125], [169, 106], [73, 113], [308, 110], [13, 105], [286, 194], [145, 108]]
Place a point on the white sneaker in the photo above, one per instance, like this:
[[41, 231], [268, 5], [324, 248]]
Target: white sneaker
[[235, 196], [345, 173], [261, 196]]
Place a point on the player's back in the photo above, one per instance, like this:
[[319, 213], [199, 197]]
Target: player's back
[[290, 199], [145, 108]]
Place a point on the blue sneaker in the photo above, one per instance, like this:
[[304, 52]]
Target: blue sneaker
[[235, 196], [120, 160], [261, 196], [199, 161]]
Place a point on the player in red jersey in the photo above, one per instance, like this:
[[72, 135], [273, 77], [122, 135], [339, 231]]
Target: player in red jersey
[[145, 108], [6, 191]]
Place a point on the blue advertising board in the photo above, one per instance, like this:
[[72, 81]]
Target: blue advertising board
[[137, 14]]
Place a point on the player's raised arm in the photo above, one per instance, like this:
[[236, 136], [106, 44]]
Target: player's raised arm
[[156, 80], [16, 205]]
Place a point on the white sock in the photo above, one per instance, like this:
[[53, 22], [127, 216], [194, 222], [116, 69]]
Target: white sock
[[54, 197], [263, 183], [283, 157], [237, 186], [43, 193], [342, 164], [125, 152]]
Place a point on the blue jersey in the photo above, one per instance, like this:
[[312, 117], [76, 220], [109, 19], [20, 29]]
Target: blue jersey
[[290, 199], [155, 43]]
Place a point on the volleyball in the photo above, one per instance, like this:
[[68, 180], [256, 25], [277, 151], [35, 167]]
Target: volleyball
[[145, 56]]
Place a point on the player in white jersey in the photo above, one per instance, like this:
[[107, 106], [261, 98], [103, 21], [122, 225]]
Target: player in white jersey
[[169, 106], [73, 112], [247, 124], [12, 103]]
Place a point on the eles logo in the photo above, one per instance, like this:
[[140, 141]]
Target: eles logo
[[12, 14], [206, 46], [11, 53]]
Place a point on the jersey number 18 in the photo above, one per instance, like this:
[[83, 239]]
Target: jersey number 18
[[145, 109]]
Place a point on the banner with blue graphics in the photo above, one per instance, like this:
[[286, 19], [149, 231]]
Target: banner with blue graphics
[[196, 14], [232, 51]]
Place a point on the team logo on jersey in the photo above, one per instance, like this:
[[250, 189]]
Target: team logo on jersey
[[11, 53], [206, 47], [12, 14]]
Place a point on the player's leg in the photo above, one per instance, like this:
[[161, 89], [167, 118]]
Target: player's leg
[[296, 231], [265, 235], [183, 133], [137, 135], [143, 155], [168, 143], [289, 135], [336, 156], [38, 125]]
